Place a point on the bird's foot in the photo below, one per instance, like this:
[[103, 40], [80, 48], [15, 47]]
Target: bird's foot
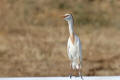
[[81, 77], [70, 76]]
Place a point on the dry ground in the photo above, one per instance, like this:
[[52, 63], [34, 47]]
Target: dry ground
[[33, 40]]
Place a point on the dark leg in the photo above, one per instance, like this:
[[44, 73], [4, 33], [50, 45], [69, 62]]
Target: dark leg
[[71, 71], [80, 72]]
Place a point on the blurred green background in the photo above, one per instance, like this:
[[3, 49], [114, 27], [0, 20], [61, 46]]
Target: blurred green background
[[33, 37]]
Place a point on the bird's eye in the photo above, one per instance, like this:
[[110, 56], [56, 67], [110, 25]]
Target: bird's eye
[[67, 15]]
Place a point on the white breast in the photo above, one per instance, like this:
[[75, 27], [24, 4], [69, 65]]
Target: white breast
[[73, 49]]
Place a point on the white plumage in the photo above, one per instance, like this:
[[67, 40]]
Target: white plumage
[[74, 52], [74, 45]]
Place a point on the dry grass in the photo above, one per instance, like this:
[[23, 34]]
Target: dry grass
[[33, 37]]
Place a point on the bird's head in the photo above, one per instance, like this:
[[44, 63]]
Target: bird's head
[[68, 17]]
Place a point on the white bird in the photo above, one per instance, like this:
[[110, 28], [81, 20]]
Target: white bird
[[73, 46]]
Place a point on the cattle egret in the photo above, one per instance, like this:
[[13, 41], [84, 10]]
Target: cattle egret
[[73, 47]]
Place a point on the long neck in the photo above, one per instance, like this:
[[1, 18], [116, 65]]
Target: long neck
[[71, 31]]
